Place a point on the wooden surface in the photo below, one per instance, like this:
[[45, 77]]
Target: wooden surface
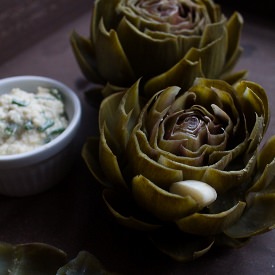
[[71, 217], [24, 22]]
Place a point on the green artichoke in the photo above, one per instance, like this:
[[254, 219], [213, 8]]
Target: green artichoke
[[185, 166], [166, 42]]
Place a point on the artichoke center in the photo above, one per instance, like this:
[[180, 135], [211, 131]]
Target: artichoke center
[[172, 9], [193, 129]]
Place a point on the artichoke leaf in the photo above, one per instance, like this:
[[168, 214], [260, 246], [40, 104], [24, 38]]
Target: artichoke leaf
[[222, 180], [253, 99], [125, 214], [212, 63], [84, 263], [210, 224], [233, 78], [267, 154], [84, 53], [109, 51], [148, 167], [92, 161], [120, 112], [212, 32], [103, 9], [108, 111], [30, 258], [139, 46], [162, 204], [234, 29], [109, 163], [257, 218], [265, 176], [182, 74], [179, 246]]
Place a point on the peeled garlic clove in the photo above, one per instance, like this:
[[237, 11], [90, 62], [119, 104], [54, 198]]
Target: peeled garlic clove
[[201, 192]]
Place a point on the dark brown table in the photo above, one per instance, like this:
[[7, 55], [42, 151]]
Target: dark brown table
[[70, 216]]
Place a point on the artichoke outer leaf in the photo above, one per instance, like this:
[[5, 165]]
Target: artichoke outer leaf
[[233, 78], [84, 53], [267, 154], [110, 164], [148, 167], [182, 74], [211, 62], [257, 218], [265, 177], [234, 29], [210, 224], [162, 204], [88, 154], [124, 213], [212, 32], [109, 51], [253, 99], [84, 263], [103, 9], [222, 180], [179, 246]]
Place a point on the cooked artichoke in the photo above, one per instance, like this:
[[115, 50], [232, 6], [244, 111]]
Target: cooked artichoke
[[185, 166], [167, 42]]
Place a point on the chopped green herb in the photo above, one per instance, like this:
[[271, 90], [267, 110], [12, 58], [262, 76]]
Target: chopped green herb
[[11, 129], [49, 123], [29, 125], [56, 94], [19, 102]]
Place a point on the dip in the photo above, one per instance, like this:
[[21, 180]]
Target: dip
[[29, 120]]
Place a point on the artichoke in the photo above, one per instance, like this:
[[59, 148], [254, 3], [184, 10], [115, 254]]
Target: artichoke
[[186, 166], [166, 42]]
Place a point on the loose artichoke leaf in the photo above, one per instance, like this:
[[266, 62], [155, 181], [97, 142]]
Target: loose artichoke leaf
[[258, 218], [84, 263], [30, 258], [124, 213], [182, 74], [89, 153], [143, 164], [144, 52], [110, 51], [180, 246], [85, 56], [162, 204], [210, 224]]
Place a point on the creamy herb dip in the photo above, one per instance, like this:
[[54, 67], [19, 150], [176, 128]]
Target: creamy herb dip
[[29, 120]]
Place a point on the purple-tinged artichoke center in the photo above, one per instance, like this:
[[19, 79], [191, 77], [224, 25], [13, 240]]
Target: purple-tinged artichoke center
[[193, 129], [169, 10]]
